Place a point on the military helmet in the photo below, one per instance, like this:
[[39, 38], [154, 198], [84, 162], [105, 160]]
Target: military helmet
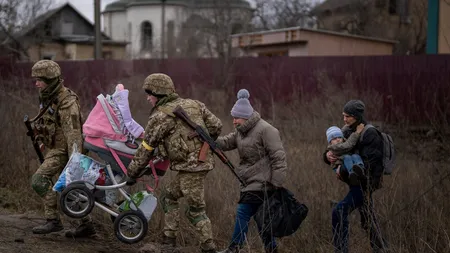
[[159, 84], [47, 69]]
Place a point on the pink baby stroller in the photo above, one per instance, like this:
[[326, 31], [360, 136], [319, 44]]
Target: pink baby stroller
[[112, 134]]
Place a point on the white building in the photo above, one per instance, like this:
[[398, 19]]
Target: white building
[[192, 27]]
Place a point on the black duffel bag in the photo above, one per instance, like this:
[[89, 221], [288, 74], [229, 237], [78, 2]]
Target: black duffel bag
[[281, 214]]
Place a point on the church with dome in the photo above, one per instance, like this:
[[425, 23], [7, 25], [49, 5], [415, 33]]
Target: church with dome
[[192, 28]]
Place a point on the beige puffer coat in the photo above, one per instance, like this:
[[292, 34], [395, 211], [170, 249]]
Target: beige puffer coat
[[261, 152]]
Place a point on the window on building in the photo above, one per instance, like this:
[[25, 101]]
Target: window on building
[[170, 38], [67, 28], [48, 56], [107, 55], [48, 28], [130, 32], [146, 35], [380, 4], [392, 6]]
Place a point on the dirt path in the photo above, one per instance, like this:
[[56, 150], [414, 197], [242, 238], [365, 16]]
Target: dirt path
[[16, 236]]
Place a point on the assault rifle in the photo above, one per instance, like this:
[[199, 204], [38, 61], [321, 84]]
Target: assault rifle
[[31, 133], [207, 140]]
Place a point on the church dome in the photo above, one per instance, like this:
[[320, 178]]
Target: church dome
[[117, 6]]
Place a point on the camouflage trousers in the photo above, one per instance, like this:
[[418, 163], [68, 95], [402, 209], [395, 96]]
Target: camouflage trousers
[[189, 185], [42, 184]]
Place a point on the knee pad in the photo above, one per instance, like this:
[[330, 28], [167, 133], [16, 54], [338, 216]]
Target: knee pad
[[168, 202], [195, 219], [41, 184]]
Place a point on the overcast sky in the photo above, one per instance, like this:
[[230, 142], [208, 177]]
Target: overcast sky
[[86, 7]]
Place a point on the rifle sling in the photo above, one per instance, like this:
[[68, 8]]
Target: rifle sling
[[49, 104], [42, 111]]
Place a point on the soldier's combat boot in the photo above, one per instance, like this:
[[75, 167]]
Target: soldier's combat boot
[[208, 247], [168, 244], [172, 241], [52, 225], [83, 230]]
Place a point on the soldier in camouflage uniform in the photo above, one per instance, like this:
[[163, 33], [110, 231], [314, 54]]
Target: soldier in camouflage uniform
[[58, 129], [175, 141]]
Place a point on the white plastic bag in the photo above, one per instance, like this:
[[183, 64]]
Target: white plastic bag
[[79, 167]]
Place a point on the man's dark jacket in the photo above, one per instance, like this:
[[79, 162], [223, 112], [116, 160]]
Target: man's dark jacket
[[371, 152]]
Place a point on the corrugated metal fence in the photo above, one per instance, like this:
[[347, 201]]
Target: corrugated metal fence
[[412, 88]]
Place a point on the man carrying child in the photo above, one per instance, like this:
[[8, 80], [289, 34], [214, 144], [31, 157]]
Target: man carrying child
[[370, 149]]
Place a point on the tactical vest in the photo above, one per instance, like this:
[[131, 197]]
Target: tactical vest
[[48, 127], [182, 144]]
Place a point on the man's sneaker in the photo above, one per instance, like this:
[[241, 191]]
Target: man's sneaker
[[52, 225], [83, 230]]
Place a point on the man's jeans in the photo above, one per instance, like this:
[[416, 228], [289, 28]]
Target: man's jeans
[[355, 200], [244, 213]]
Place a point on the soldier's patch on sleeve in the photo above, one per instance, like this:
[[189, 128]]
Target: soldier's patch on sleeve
[[75, 122]]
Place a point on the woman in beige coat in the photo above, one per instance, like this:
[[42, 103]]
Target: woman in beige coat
[[262, 167]]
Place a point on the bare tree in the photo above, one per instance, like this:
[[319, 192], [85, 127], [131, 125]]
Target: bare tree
[[374, 19], [15, 17], [276, 14], [415, 36], [207, 33], [363, 18]]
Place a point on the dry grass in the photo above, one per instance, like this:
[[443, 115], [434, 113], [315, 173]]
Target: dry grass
[[422, 227]]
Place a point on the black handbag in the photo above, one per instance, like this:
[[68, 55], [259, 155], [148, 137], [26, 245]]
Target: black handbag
[[281, 214]]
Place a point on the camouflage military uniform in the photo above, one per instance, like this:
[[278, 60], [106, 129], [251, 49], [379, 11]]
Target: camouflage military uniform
[[58, 129], [175, 141]]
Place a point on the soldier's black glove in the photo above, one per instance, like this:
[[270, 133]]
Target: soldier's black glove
[[131, 181]]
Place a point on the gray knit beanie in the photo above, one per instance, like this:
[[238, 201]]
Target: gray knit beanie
[[355, 108], [242, 108]]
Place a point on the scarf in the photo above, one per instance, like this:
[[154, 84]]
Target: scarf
[[47, 94], [249, 124], [164, 100]]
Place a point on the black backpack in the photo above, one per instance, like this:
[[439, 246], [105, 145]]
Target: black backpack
[[281, 213], [389, 154]]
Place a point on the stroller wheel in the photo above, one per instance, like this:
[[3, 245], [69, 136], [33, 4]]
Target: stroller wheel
[[77, 201], [130, 226]]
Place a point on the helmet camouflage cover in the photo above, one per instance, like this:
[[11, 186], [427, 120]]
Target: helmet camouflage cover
[[45, 69], [159, 84]]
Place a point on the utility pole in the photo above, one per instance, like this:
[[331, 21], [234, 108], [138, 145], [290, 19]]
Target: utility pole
[[98, 33], [163, 29]]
